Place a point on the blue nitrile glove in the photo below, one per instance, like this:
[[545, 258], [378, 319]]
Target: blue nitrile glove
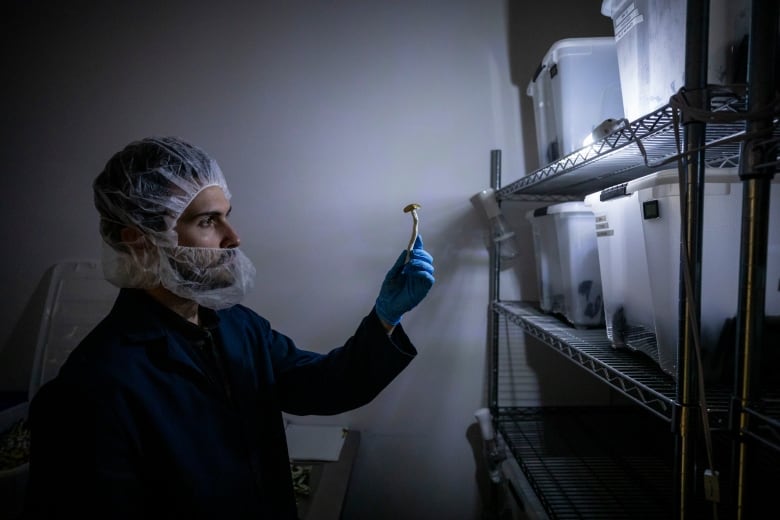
[[406, 284]]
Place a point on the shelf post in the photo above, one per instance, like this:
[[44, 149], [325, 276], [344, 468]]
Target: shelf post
[[757, 167], [691, 202], [493, 294]]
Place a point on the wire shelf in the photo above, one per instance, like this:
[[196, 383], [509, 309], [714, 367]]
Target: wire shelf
[[633, 374], [592, 462], [649, 144]]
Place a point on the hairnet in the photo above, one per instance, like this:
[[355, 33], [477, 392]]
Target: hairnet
[[146, 187]]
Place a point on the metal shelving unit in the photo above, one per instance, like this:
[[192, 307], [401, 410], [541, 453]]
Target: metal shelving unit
[[631, 373], [580, 468], [745, 419], [644, 146]]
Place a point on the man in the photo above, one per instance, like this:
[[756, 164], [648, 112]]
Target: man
[[172, 406]]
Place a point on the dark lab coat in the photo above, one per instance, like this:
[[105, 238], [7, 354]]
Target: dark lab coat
[[138, 424]]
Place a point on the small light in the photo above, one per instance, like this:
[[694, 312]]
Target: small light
[[587, 141]]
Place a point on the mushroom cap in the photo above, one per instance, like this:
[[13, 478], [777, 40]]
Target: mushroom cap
[[411, 207]]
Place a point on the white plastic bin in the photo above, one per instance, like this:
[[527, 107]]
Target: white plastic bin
[[78, 298], [569, 279], [638, 235], [575, 88], [650, 37], [625, 280]]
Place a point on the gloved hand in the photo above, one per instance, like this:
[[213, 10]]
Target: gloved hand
[[406, 284]]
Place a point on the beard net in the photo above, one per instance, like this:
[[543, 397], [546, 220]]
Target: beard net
[[215, 278], [147, 187]]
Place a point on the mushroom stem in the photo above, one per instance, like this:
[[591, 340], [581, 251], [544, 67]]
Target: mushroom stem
[[412, 208]]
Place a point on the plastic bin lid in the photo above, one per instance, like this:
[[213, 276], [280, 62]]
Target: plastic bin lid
[[569, 207], [78, 298], [561, 207], [566, 47], [663, 177], [711, 175], [611, 7], [575, 46]]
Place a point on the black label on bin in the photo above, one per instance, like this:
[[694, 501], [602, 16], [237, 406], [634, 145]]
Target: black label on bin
[[650, 209]]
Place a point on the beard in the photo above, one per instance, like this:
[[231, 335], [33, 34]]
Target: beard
[[214, 277], [204, 267]]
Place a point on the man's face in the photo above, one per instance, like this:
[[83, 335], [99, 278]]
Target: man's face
[[206, 252], [204, 223]]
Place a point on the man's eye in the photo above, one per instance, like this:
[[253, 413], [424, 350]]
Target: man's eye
[[205, 222]]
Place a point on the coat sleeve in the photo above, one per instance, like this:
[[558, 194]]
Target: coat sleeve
[[345, 378]]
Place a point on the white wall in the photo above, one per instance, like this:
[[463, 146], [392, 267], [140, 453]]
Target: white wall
[[327, 118]]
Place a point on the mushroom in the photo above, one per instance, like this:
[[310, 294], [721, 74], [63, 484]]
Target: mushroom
[[412, 208]]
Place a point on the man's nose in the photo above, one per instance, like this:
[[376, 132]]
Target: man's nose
[[231, 238]]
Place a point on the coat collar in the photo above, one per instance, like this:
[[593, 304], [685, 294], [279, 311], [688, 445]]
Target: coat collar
[[143, 320]]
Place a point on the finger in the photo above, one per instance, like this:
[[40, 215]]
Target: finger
[[418, 243], [419, 264], [420, 284], [421, 255], [399, 262], [398, 267], [423, 277]]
